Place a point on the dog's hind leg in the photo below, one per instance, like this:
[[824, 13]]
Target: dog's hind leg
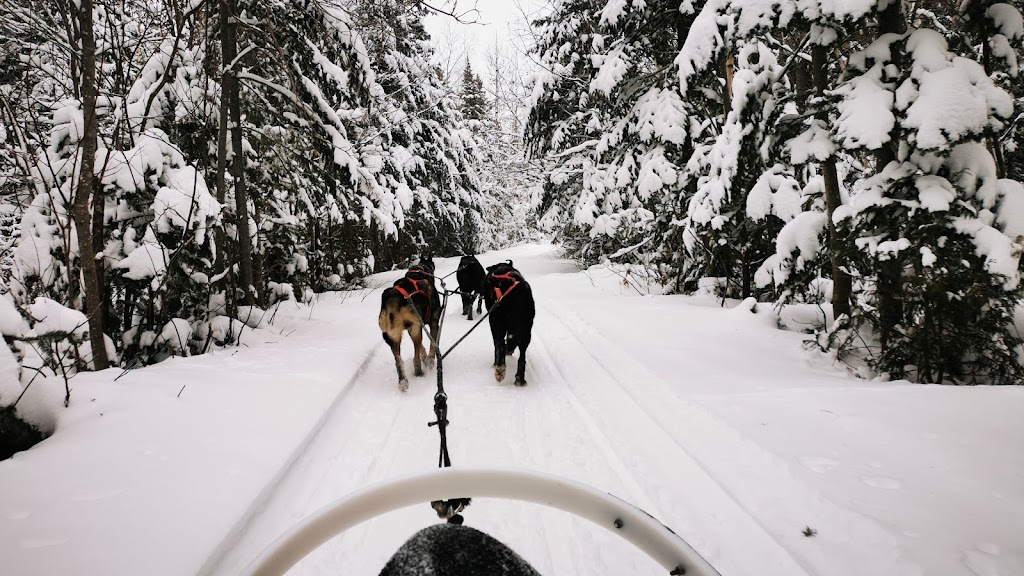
[[396, 349], [419, 355], [521, 367], [498, 335], [432, 356], [467, 305], [524, 342]]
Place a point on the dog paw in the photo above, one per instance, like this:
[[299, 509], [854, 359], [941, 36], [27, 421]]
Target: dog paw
[[403, 385], [499, 373], [520, 382], [418, 370]]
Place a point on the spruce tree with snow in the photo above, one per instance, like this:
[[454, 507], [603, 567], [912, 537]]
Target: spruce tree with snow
[[607, 106], [930, 232], [344, 149], [797, 141], [744, 195], [413, 145], [560, 111], [474, 105], [941, 211]]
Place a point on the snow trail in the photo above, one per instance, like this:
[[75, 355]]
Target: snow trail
[[711, 419], [582, 416]]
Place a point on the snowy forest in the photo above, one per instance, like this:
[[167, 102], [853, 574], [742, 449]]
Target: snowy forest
[[151, 133], [856, 161], [864, 156], [752, 232]]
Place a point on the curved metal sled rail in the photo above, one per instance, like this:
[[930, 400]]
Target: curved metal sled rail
[[622, 518]]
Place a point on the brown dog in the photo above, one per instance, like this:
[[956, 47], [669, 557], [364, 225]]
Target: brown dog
[[397, 315]]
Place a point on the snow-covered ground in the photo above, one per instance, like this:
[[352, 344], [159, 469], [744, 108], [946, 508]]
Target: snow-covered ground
[[711, 419]]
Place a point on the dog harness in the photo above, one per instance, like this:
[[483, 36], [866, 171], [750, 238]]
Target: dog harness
[[506, 276], [418, 286]]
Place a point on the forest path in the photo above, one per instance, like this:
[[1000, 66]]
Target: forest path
[[590, 412]]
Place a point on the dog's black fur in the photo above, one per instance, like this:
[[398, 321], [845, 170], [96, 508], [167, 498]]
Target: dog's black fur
[[455, 550], [512, 321], [397, 316], [470, 275]]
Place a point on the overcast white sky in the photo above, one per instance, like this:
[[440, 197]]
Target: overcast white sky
[[500, 22]]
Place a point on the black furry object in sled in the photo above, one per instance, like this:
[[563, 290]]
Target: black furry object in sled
[[455, 550]]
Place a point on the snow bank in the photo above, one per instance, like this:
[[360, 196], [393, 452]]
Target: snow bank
[[135, 451]]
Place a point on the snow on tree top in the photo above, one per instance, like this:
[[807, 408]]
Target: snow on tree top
[[947, 98], [1007, 19]]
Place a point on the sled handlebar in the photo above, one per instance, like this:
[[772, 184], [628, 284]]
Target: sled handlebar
[[618, 516]]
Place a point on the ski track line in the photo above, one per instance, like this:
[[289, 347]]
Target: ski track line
[[579, 559], [269, 491], [337, 548], [608, 347], [783, 494], [345, 456], [343, 443], [638, 496], [782, 563], [633, 492]]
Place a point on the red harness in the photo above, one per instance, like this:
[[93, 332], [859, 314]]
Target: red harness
[[506, 276], [416, 284]]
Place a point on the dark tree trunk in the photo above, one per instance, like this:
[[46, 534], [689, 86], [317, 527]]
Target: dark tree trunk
[[222, 183], [683, 24], [842, 283], [986, 56], [82, 209], [258, 274], [890, 280], [229, 91], [97, 247]]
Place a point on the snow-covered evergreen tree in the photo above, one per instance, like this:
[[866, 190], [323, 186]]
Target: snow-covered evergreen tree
[[473, 99], [608, 107], [414, 144], [807, 133], [353, 155], [941, 211]]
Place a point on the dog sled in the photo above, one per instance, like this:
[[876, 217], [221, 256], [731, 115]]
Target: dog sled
[[449, 490], [627, 521]]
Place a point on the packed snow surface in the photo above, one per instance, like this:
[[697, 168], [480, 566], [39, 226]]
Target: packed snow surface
[[709, 418]]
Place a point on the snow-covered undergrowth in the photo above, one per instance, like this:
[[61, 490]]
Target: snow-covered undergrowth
[[711, 419]]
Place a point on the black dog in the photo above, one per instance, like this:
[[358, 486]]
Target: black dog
[[471, 277], [512, 320], [396, 316], [454, 550]]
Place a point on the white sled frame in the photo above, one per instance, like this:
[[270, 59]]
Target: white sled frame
[[622, 518]]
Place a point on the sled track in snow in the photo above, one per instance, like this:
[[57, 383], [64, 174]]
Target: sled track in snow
[[215, 562], [766, 486], [657, 439], [591, 411]]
